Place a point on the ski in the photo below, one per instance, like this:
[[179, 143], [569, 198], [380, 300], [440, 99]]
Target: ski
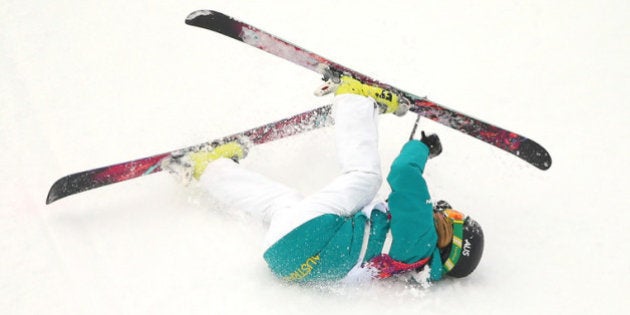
[[91, 179], [516, 144]]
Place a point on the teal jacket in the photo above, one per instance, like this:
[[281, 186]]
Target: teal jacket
[[327, 247]]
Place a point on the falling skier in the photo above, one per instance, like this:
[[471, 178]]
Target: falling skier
[[341, 232]]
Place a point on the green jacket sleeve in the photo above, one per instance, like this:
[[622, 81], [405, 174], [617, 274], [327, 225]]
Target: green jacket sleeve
[[413, 231]]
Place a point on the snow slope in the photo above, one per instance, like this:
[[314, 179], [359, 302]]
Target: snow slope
[[90, 83]]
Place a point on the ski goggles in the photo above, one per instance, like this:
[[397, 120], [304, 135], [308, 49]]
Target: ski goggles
[[458, 232]]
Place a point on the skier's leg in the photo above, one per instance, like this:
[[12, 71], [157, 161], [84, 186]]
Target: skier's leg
[[247, 191], [285, 208], [357, 149], [360, 179]]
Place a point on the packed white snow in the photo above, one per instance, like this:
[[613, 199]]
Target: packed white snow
[[88, 84]]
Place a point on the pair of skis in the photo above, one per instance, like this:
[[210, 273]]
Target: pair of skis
[[518, 145]]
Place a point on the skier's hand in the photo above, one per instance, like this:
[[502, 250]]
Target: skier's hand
[[432, 142]]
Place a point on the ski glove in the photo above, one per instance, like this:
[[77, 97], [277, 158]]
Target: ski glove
[[432, 142]]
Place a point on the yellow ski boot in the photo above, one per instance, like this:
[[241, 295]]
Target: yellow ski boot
[[388, 102], [188, 165], [231, 150]]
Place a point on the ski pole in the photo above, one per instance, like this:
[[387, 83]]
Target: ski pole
[[415, 127]]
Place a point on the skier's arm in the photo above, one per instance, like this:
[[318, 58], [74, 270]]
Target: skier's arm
[[412, 226]]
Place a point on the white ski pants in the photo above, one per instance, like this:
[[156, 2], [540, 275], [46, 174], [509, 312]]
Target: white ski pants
[[284, 208]]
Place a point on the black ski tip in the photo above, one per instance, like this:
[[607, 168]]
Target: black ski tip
[[57, 191], [535, 154], [73, 184], [215, 21], [199, 14], [51, 198], [64, 187]]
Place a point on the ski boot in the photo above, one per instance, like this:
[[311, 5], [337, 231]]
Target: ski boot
[[387, 101], [188, 165]]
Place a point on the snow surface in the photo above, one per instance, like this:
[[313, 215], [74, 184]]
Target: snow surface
[[90, 83]]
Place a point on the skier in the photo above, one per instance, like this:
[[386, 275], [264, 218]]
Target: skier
[[341, 232]]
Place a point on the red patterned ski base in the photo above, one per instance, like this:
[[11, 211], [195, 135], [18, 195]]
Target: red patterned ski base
[[516, 144], [87, 180]]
